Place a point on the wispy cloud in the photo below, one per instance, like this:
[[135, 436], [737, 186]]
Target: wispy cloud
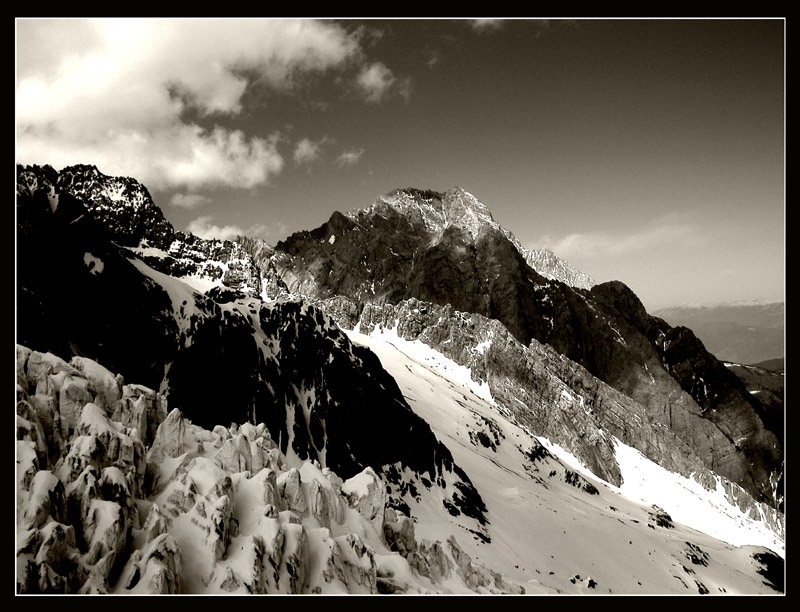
[[120, 92], [270, 233], [377, 82], [189, 200], [434, 58], [675, 230], [539, 26], [204, 227], [350, 157], [306, 151], [486, 25]]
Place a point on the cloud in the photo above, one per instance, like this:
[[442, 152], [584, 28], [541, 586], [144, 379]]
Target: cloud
[[189, 200], [376, 82], [307, 150], [276, 231], [669, 230], [203, 227], [434, 58], [485, 25], [537, 29], [350, 157], [118, 93]]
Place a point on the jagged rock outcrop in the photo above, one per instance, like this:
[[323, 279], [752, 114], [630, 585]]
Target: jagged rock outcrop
[[124, 212], [272, 285], [215, 263], [478, 578], [155, 569]]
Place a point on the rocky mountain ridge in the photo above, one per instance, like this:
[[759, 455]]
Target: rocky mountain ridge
[[458, 207], [125, 212], [557, 399], [280, 359], [284, 363], [124, 205], [447, 250]]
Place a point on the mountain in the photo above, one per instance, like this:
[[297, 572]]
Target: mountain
[[328, 415], [422, 244], [122, 209], [741, 332], [445, 249], [284, 362]]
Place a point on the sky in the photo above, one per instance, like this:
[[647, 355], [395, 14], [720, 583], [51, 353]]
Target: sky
[[647, 151]]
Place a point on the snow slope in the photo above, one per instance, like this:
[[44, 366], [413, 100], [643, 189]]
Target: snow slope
[[552, 537]]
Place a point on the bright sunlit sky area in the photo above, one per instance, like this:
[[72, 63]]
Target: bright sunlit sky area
[[646, 151]]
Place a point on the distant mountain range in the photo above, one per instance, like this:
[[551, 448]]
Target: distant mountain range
[[402, 400], [740, 332]]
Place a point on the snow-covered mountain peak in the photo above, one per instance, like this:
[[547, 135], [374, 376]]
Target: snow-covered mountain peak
[[458, 208], [435, 210]]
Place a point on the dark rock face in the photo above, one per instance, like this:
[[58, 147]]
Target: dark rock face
[[335, 393], [725, 402], [768, 386], [223, 360], [738, 445], [77, 293], [445, 249], [388, 254], [122, 205], [123, 211]]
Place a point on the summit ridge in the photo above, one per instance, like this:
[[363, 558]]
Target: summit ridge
[[460, 208]]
